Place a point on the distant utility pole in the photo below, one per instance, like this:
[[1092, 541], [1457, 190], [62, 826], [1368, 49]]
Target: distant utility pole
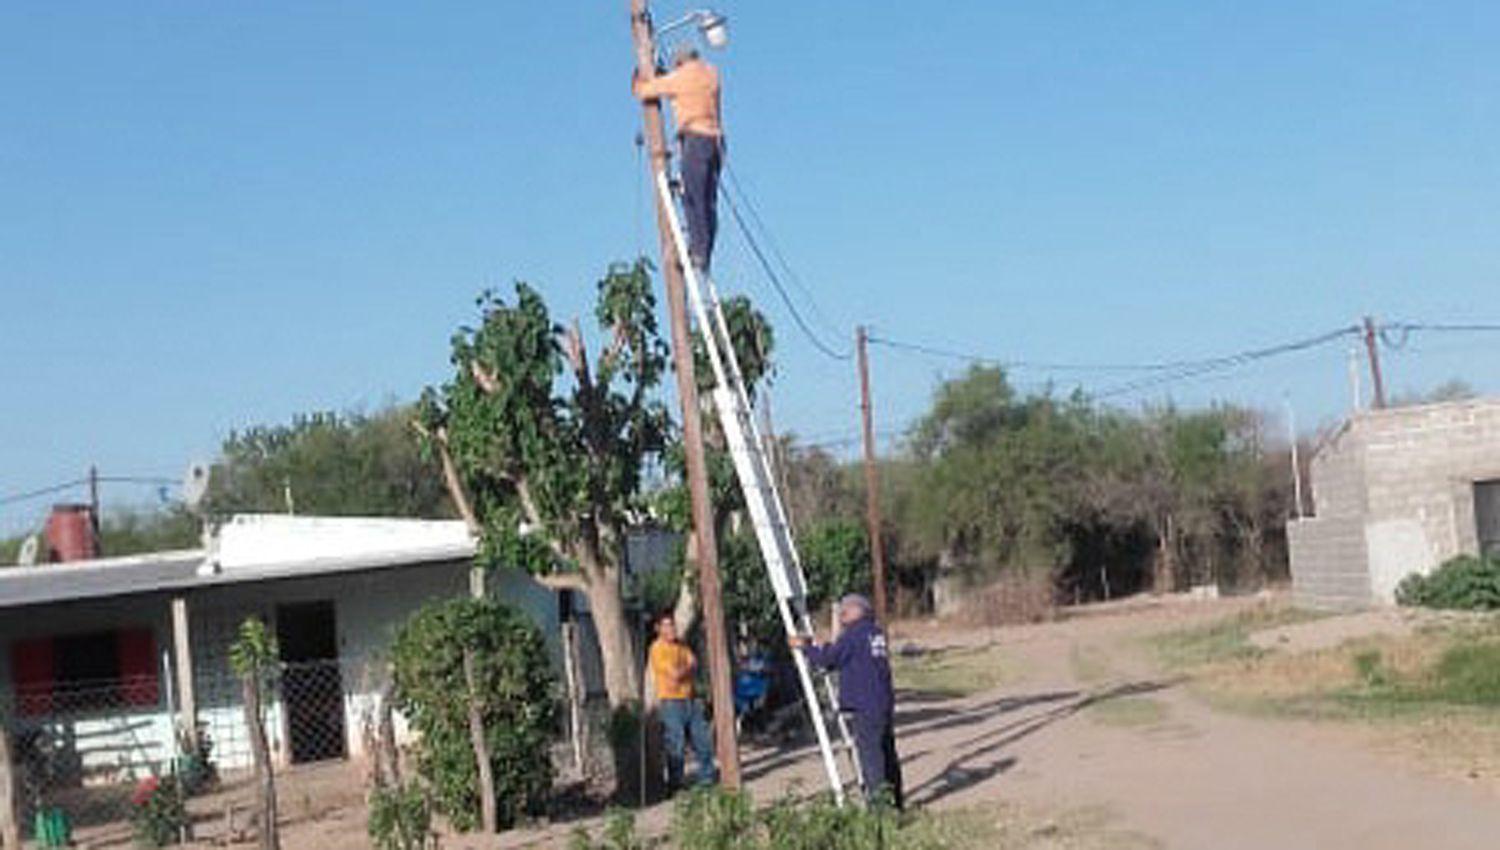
[[707, 554], [1291, 434], [94, 509], [1377, 380], [872, 476]]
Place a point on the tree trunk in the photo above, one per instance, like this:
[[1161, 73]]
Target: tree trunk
[[10, 809], [489, 819], [270, 838], [1165, 580], [622, 678], [685, 611]]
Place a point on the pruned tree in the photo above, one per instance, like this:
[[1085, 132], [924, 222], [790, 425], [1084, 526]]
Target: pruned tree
[[254, 657], [545, 449]]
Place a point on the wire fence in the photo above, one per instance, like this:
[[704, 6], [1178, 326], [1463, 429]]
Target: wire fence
[[87, 755]]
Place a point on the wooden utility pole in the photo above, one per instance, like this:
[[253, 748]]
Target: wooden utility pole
[[94, 510], [1377, 380], [872, 476], [707, 554]]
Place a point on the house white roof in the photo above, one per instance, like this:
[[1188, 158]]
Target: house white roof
[[247, 548]]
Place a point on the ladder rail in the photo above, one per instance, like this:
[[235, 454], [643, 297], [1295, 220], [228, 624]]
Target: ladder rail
[[764, 503]]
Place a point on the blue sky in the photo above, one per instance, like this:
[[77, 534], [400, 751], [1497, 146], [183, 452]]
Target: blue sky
[[215, 215]]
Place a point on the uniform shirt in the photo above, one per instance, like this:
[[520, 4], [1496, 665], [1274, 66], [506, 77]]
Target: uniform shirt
[[864, 666], [667, 659], [694, 90]]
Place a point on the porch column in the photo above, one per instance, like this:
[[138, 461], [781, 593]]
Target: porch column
[[182, 657]]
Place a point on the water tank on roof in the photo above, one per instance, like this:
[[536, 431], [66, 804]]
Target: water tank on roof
[[70, 533]]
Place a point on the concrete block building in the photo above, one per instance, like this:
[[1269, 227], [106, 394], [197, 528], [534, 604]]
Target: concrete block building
[[1396, 492]]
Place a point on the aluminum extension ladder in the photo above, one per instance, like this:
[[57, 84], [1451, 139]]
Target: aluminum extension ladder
[[767, 514]]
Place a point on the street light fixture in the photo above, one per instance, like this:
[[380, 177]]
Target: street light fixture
[[713, 26]]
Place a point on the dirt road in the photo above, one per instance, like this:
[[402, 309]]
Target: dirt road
[[1094, 725]]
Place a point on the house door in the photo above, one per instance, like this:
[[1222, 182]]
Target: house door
[[1487, 516], [311, 687]]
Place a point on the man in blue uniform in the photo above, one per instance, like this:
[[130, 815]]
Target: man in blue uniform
[[866, 696]]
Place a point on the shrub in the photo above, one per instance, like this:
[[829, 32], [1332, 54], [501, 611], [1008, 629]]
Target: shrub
[[1465, 583], [514, 676], [158, 811], [716, 819], [400, 818], [619, 834]]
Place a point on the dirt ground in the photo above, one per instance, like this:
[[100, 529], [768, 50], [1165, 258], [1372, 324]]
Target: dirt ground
[[1087, 722]]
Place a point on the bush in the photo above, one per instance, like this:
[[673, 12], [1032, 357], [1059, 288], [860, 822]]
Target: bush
[[400, 818], [158, 811], [715, 819], [1465, 583], [619, 834], [514, 677]]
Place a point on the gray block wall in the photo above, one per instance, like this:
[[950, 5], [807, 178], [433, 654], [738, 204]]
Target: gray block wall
[[1393, 494]]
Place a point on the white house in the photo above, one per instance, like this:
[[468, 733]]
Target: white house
[[103, 658]]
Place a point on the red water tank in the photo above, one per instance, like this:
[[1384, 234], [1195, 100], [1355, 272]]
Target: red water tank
[[70, 533]]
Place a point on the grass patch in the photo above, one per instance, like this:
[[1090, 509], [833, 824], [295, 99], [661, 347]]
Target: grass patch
[[1006, 827], [955, 672], [1129, 712], [719, 820], [1223, 640]]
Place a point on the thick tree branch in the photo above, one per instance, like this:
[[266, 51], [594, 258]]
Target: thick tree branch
[[451, 477], [577, 355], [486, 379]]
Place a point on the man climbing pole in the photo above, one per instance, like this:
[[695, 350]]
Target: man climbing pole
[[866, 695], [693, 89]]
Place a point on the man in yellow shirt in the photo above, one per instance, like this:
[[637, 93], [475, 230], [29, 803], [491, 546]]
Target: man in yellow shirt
[[693, 88], [672, 669]]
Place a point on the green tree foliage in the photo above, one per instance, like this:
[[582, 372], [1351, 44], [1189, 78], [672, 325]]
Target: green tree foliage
[[1100, 498], [550, 447], [254, 651], [514, 675], [333, 465], [835, 560]]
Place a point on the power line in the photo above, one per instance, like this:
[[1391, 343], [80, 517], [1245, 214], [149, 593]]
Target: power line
[[44, 491], [775, 279], [1194, 369], [936, 351], [149, 480], [745, 200]]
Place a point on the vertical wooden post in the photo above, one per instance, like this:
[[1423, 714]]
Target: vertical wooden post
[[707, 554], [872, 477], [265, 777], [10, 808], [488, 814], [182, 658], [574, 681]]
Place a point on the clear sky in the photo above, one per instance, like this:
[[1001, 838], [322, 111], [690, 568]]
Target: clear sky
[[214, 215]]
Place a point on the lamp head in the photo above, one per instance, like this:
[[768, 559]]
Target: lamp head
[[715, 29]]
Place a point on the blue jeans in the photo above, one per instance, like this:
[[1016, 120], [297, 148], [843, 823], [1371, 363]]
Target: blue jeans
[[681, 719], [702, 157]]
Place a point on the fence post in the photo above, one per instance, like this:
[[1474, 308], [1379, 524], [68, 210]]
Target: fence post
[[10, 811]]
